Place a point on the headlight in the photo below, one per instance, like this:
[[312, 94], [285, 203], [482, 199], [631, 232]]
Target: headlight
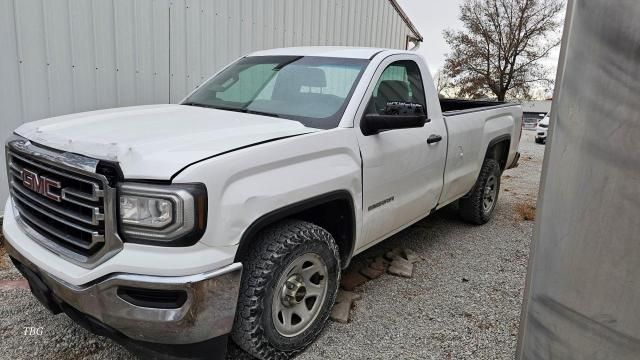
[[146, 211], [168, 215]]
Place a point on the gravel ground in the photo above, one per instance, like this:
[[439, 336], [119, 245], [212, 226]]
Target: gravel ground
[[462, 303]]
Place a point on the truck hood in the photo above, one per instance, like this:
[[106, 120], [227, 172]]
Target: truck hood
[[155, 142]]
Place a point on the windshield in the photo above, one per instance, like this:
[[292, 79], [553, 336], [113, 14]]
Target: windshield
[[312, 90], [546, 118]]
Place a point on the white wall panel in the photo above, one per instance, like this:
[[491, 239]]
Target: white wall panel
[[330, 22], [386, 35], [65, 56], [376, 20], [11, 100], [58, 59], [83, 53], [106, 62], [160, 66], [178, 50], [32, 58]]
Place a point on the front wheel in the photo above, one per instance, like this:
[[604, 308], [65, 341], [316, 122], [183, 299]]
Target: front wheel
[[478, 206], [289, 285]]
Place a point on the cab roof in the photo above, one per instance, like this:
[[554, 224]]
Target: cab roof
[[325, 51]]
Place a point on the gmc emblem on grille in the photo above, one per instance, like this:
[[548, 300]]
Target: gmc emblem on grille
[[40, 184]]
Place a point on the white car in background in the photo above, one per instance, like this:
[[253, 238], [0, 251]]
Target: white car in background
[[542, 129]]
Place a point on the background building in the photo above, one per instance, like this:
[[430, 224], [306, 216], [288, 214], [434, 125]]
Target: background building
[[534, 111], [66, 56]]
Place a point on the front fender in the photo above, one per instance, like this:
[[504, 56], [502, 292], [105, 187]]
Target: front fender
[[244, 185]]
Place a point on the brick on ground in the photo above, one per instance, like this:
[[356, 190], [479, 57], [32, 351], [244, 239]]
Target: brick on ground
[[412, 256], [347, 296], [372, 272], [406, 254], [6, 285], [379, 266], [380, 263], [344, 303], [394, 253], [340, 312], [401, 267], [352, 279]]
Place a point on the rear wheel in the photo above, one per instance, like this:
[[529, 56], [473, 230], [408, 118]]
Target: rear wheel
[[478, 206], [289, 285]]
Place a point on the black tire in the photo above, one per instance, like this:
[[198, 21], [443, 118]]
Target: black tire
[[539, 141], [276, 248], [472, 206]]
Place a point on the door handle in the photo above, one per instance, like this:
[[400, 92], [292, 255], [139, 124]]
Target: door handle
[[434, 139]]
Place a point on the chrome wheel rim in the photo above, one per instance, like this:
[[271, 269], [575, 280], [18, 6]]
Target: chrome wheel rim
[[490, 194], [299, 295]]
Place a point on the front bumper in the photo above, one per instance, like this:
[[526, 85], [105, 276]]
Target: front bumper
[[207, 311]]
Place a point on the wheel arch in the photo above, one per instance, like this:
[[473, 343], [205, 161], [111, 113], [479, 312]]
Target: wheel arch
[[498, 149], [333, 211]]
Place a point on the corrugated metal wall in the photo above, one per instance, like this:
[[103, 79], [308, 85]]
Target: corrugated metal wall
[[65, 56]]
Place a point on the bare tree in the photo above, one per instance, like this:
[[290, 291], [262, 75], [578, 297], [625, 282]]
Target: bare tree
[[499, 51], [444, 84]]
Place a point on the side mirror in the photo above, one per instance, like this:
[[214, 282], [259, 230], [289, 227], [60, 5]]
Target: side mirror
[[396, 116]]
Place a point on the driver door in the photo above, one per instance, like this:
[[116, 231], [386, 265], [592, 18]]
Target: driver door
[[402, 173]]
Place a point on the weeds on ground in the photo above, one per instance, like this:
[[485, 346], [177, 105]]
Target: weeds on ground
[[5, 263], [526, 211], [4, 258]]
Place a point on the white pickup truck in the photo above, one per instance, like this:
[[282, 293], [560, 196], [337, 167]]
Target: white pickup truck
[[170, 228]]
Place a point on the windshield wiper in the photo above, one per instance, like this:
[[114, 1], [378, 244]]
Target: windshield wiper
[[191, 103], [255, 112], [228, 108]]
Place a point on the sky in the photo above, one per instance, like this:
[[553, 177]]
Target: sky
[[431, 17]]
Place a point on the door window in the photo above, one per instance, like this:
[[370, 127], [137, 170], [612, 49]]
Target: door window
[[400, 81]]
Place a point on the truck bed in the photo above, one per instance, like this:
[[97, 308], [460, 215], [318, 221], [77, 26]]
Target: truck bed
[[457, 106], [471, 127]]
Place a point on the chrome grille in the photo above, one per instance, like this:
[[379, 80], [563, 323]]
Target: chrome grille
[[76, 220]]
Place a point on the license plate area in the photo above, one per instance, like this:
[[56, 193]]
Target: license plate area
[[39, 288]]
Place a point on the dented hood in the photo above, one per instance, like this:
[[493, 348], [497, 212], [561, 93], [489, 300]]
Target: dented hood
[[155, 142]]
